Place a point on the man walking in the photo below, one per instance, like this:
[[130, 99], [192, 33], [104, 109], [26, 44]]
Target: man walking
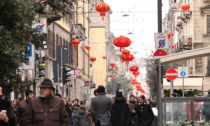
[[47, 109], [23, 105], [101, 106]]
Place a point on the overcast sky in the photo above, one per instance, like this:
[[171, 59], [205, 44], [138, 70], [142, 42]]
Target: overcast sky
[[142, 22]]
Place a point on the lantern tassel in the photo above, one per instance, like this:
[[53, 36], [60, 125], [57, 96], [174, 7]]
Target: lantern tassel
[[102, 18], [127, 62]]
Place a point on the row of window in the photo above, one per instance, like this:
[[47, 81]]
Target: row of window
[[56, 40]]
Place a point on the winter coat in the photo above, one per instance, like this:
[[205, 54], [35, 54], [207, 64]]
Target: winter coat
[[6, 105], [101, 106], [46, 112], [21, 111], [83, 119], [69, 111], [132, 105], [120, 113], [145, 114]]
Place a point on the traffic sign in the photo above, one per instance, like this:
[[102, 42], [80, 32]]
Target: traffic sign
[[161, 41], [159, 53], [182, 71], [40, 25], [171, 74]]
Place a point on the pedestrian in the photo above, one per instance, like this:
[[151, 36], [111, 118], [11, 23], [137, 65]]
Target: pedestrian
[[120, 112], [206, 109], [7, 117], [47, 109], [68, 110], [132, 104], [101, 106], [144, 113], [75, 109], [22, 105], [15, 106], [82, 118]]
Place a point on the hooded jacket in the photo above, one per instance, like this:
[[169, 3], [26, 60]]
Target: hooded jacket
[[83, 119]]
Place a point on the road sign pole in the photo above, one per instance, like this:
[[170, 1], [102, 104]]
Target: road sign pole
[[183, 86], [171, 41]]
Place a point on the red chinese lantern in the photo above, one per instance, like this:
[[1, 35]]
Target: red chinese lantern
[[102, 8], [136, 73], [134, 79], [133, 82], [104, 57], [134, 68], [127, 58], [185, 7], [111, 75], [169, 35], [122, 42], [138, 86], [112, 64], [75, 42], [92, 59], [173, 46], [113, 67], [87, 47], [126, 51]]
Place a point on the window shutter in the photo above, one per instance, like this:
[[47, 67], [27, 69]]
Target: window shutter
[[208, 24]]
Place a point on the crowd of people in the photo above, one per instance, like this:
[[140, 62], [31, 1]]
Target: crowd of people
[[55, 110]]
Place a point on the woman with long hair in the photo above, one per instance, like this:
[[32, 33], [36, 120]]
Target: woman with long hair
[[144, 112], [120, 112]]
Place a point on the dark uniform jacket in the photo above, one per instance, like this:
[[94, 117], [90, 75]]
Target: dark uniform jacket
[[21, 111], [6, 105], [145, 115], [46, 112]]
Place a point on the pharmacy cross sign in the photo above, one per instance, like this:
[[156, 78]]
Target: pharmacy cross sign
[[171, 74]]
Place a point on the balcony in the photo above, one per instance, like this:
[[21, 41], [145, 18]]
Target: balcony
[[206, 1], [188, 14], [188, 44], [79, 32], [52, 16]]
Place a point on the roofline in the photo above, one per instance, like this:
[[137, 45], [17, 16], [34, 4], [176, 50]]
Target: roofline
[[190, 54]]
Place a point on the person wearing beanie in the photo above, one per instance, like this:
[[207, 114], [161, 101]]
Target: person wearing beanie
[[47, 109], [22, 105], [120, 112], [101, 106]]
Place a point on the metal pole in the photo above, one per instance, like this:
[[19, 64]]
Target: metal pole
[[171, 41], [183, 86], [160, 113], [62, 81], [58, 78], [159, 3]]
